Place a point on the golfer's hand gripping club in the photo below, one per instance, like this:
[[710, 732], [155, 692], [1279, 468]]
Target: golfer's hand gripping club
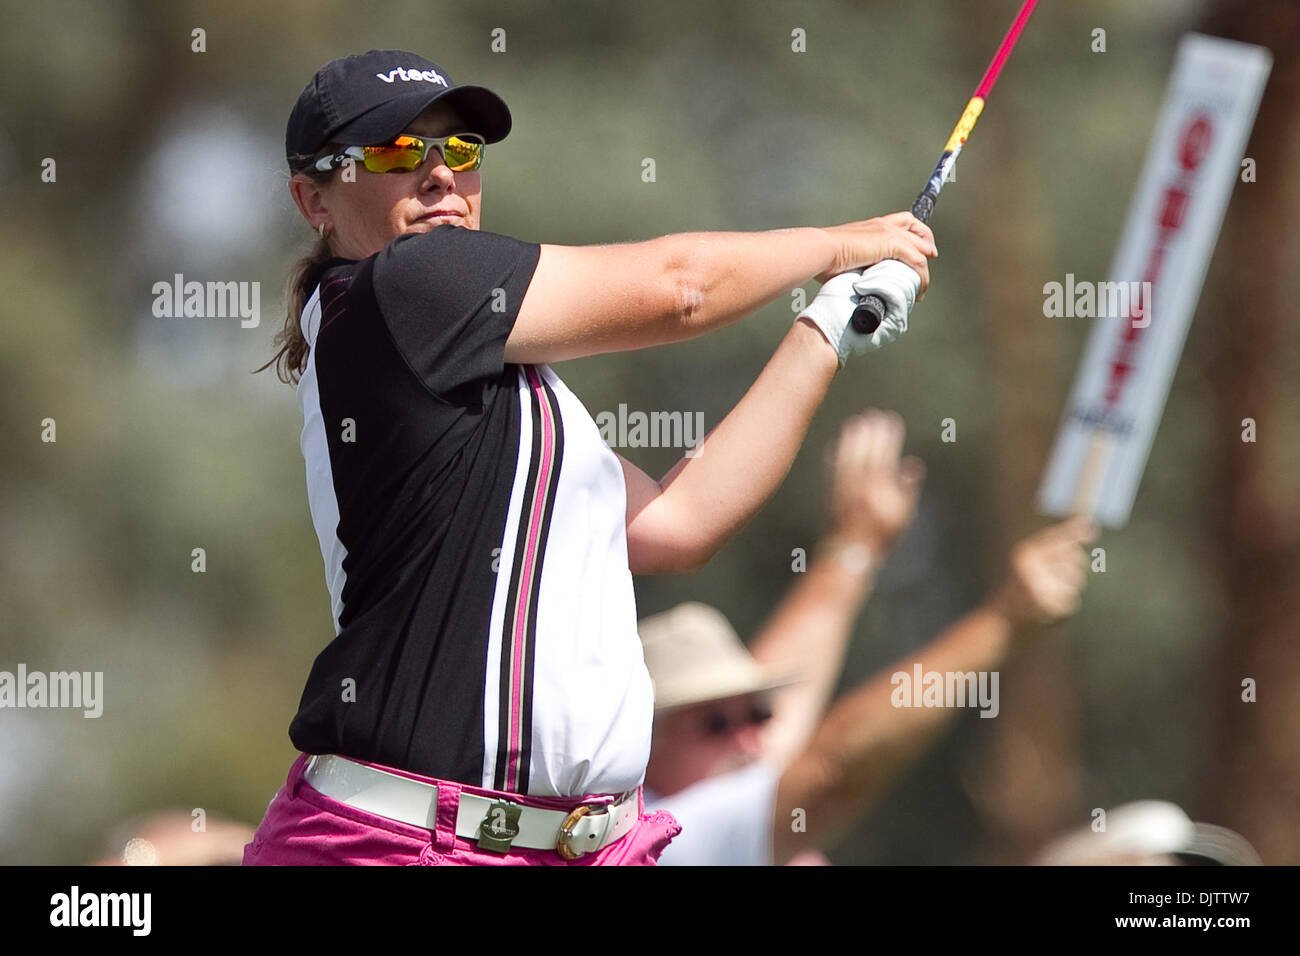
[[831, 310], [872, 289]]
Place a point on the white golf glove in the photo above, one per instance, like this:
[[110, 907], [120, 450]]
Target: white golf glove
[[832, 308]]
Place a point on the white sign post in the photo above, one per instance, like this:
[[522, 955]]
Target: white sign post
[[1173, 223]]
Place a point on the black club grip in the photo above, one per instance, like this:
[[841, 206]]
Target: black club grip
[[871, 310], [869, 314]]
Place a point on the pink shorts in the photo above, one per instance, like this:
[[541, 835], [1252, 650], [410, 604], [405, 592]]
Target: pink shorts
[[303, 827]]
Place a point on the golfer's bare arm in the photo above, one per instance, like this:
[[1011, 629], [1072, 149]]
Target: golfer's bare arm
[[588, 300], [679, 522], [596, 299], [865, 742]]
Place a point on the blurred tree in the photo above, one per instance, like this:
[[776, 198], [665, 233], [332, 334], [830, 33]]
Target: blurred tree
[[1027, 784], [1254, 784]]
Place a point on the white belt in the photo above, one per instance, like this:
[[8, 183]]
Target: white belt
[[585, 829]]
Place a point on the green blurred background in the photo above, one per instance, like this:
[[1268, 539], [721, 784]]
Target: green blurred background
[[171, 161]]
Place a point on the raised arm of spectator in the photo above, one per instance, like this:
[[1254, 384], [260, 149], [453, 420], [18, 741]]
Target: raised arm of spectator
[[873, 492], [865, 741]]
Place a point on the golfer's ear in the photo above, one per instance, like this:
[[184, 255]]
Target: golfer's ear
[[309, 199]]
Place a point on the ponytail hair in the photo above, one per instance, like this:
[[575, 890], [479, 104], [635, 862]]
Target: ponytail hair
[[290, 360]]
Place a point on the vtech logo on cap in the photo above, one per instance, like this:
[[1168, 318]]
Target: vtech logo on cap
[[429, 76]]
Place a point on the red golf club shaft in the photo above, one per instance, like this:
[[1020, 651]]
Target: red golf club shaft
[[871, 311]]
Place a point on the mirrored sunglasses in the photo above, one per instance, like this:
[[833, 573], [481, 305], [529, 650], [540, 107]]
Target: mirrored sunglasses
[[461, 152]]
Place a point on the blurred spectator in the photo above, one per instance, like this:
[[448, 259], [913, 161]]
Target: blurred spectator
[[742, 756], [1149, 833], [168, 838]]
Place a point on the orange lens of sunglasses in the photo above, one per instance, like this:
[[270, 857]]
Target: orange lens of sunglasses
[[406, 153]]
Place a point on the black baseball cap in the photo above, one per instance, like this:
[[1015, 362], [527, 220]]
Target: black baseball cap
[[369, 98]]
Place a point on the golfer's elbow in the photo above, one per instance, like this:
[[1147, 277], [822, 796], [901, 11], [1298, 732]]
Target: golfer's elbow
[[688, 554], [659, 545], [702, 533], [687, 284], [695, 555]]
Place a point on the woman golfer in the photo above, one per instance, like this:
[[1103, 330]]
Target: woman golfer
[[485, 699]]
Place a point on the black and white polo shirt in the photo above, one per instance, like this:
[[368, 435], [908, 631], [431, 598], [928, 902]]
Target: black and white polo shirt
[[472, 523]]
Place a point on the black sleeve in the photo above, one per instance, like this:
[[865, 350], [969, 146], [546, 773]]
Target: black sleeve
[[450, 298]]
